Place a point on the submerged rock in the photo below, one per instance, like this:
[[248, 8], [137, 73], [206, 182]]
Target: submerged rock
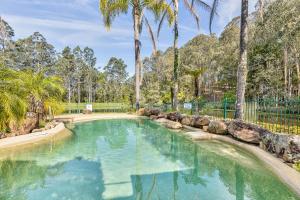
[[169, 123], [217, 127]]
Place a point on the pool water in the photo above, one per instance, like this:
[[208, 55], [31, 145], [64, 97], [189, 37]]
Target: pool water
[[135, 159]]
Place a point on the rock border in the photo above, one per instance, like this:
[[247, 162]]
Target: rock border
[[284, 146], [258, 141]]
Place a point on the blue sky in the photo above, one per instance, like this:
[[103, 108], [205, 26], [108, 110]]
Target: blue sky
[[78, 22]]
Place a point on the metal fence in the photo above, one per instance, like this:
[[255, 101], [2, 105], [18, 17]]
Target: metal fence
[[282, 116], [97, 107]]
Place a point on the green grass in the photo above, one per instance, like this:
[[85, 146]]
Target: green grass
[[105, 107]]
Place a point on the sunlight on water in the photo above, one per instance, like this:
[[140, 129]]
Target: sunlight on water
[[134, 159]]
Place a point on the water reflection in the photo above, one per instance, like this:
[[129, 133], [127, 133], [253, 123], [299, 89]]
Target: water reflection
[[135, 159]]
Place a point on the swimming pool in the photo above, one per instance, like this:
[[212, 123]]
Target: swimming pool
[[135, 159]]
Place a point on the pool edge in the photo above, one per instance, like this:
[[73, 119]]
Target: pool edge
[[285, 173]]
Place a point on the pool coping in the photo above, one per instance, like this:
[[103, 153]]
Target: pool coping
[[31, 137], [285, 173]]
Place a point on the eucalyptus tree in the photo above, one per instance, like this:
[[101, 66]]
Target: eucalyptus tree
[[6, 34], [90, 61], [65, 67], [191, 7], [116, 75], [242, 67], [34, 52], [112, 8], [78, 72], [198, 61]]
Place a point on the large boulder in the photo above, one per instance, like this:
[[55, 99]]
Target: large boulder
[[87, 111], [155, 112], [174, 116], [200, 121], [283, 145], [217, 127], [169, 124], [245, 132], [153, 117], [51, 125], [30, 123], [148, 112], [187, 120], [141, 112]]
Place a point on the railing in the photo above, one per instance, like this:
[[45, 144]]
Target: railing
[[282, 116]]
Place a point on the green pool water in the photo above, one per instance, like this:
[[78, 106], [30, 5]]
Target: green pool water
[[135, 159]]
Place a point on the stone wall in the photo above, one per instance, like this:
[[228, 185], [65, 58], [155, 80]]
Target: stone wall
[[284, 146]]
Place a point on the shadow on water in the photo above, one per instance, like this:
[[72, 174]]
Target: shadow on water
[[27, 180]]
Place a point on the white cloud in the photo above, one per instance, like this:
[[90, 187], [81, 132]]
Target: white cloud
[[68, 31], [228, 9], [65, 24]]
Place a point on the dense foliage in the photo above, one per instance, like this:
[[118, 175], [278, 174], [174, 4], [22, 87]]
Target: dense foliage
[[273, 60], [33, 71]]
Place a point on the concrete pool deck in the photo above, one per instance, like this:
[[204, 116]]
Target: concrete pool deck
[[287, 174]]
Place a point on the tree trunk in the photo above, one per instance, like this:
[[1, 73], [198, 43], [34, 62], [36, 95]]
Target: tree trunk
[[197, 92], [78, 91], [176, 55], [69, 91], [290, 85], [242, 68], [261, 9], [285, 67], [136, 21], [298, 75]]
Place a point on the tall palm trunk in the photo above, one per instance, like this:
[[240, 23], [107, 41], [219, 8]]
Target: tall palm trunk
[[176, 52], [242, 68], [136, 21]]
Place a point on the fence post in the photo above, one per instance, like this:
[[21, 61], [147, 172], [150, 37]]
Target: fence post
[[225, 109]]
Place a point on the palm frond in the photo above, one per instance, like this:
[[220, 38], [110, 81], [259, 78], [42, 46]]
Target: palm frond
[[202, 4], [168, 12], [110, 9], [192, 11], [213, 12], [153, 40]]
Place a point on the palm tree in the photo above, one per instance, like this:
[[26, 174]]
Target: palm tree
[[112, 8], [43, 92], [191, 8], [242, 68], [13, 103]]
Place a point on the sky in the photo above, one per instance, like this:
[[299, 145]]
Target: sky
[[79, 22]]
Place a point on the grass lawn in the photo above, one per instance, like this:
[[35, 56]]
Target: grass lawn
[[96, 106]]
